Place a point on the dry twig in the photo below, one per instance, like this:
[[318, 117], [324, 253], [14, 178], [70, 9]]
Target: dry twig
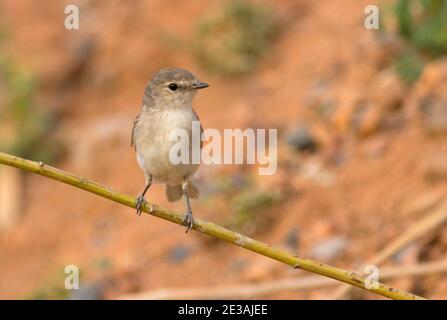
[[419, 229], [294, 284], [208, 228]]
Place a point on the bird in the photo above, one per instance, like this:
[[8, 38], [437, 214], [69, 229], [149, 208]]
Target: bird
[[167, 105]]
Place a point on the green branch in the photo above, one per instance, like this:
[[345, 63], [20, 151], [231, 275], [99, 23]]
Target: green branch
[[208, 228]]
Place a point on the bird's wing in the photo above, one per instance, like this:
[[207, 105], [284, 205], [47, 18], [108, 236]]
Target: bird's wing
[[201, 128], [135, 123]]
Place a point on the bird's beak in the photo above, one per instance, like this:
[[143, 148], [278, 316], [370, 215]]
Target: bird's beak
[[200, 85]]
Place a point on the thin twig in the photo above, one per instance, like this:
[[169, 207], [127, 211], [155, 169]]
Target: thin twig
[[416, 231], [294, 284], [208, 228]]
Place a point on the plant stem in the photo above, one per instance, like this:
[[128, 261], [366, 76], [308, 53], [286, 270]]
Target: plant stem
[[208, 228]]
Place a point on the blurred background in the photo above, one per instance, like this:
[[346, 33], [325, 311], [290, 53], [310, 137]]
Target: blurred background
[[362, 144]]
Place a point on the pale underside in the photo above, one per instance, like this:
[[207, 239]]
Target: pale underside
[[150, 136]]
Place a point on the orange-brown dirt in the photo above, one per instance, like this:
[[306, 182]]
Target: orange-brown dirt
[[368, 183]]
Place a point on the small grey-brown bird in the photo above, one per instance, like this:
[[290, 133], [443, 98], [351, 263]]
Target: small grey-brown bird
[[167, 105]]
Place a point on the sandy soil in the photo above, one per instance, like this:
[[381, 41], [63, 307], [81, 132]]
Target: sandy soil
[[364, 190]]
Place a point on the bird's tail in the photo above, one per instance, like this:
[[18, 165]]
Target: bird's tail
[[174, 193]]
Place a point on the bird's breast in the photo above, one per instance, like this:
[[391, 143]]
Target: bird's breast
[[154, 141]]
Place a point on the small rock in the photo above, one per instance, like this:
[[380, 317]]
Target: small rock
[[292, 239], [238, 265], [388, 91], [428, 98], [349, 101], [87, 292], [179, 253], [371, 122], [330, 249], [434, 114], [407, 255], [301, 139], [314, 170]]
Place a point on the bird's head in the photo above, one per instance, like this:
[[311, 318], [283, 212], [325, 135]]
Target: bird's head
[[172, 88]]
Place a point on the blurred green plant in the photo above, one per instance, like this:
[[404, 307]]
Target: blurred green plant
[[250, 210], [233, 40], [53, 288], [103, 263], [49, 292], [25, 125], [248, 204], [409, 66], [424, 24]]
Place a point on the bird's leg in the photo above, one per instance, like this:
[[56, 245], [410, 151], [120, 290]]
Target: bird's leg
[[188, 220], [140, 199]]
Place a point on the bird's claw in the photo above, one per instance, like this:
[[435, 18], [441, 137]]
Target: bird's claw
[[188, 221], [140, 202]]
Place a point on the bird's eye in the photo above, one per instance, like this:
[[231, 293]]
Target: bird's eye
[[173, 86]]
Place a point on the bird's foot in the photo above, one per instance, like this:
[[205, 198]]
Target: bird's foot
[[188, 221], [140, 202]]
